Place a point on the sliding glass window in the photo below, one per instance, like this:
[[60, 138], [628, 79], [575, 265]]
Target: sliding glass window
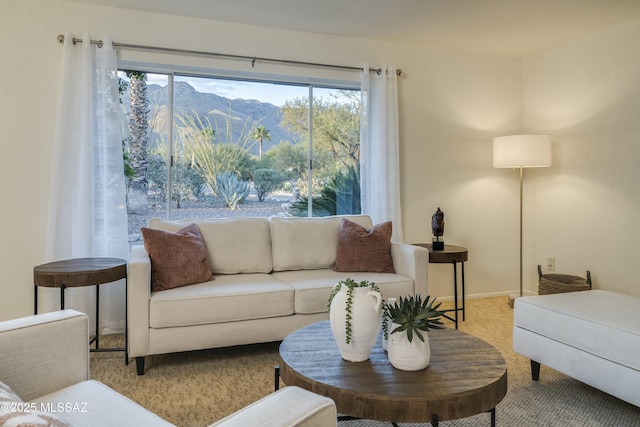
[[204, 147]]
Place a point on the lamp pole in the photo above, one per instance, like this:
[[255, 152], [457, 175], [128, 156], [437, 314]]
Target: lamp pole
[[521, 287], [520, 151]]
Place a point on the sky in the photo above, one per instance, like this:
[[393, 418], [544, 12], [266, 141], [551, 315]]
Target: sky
[[232, 89], [275, 94]]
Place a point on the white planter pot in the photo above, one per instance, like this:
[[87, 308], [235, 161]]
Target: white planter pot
[[366, 321], [408, 356]]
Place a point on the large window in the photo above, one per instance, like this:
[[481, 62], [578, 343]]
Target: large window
[[200, 147]]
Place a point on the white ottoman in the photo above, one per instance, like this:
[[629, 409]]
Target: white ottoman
[[592, 336]]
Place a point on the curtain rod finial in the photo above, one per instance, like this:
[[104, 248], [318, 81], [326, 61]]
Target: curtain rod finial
[[60, 38]]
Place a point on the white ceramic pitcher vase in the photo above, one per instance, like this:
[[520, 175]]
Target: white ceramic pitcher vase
[[366, 321]]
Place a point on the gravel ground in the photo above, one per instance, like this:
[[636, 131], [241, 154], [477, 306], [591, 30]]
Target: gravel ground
[[250, 208]]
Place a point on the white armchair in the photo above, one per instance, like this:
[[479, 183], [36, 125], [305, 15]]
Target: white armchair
[[44, 361], [289, 406]]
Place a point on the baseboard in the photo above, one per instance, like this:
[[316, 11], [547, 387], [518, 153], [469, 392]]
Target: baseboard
[[511, 296]]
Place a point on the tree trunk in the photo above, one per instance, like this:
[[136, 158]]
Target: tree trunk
[[138, 140]]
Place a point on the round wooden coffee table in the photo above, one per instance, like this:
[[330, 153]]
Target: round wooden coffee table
[[466, 376]]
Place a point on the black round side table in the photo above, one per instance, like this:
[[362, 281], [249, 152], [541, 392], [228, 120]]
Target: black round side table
[[450, 255], [79, 272]]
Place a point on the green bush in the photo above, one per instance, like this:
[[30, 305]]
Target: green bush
[[188, 182], [266, 181], [341, 195]]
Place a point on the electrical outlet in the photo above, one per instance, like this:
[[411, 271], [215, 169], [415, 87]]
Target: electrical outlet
[[551, 264]]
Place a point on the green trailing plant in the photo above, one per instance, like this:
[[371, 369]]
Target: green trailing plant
[[413, 314], [385, 319], [350, 284]]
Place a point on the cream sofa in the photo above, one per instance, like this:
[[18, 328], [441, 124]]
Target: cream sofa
[[44, 360], [271, 277], [592, 336]]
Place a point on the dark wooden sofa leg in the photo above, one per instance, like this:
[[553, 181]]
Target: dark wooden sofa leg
[[535, 370], [140, 365]]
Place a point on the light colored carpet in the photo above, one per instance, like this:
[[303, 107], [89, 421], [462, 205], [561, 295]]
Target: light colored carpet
[[195, 389]]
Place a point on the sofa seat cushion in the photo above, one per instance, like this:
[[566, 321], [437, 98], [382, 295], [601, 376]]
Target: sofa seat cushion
[[314, 286], [228, 298], [234, 245], [91, 403], [596, 321], [308, 243]]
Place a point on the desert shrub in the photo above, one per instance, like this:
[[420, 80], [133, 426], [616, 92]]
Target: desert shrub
[[212, 150], [188, 182], [266, 181]]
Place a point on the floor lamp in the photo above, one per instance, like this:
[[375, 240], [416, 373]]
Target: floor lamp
[[519, 152]]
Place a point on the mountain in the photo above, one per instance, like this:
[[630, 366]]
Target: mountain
[[216, 108]]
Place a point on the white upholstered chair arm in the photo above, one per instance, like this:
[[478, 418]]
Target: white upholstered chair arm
[[138, 294], [412, 261], [287, 407], [44, 353]]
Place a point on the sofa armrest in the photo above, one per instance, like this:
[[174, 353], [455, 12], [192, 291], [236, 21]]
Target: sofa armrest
[[287, 407], [44, 353], [138, 295], [412, 261]]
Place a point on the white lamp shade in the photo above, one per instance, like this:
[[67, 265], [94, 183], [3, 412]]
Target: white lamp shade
[[514, 151]]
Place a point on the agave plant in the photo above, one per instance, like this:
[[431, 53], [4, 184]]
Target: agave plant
[[230, 188], [413, 315]]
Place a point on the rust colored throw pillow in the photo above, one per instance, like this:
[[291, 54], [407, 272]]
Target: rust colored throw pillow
[[360, 249], [177, 259]]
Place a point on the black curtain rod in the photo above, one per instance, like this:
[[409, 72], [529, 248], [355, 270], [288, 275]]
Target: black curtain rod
[[253, 59]]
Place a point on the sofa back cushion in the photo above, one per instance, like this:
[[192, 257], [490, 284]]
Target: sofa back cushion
[[308, 243], [234, 245]]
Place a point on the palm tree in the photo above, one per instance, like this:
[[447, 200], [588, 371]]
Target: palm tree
[[260, 132], [138, 140]]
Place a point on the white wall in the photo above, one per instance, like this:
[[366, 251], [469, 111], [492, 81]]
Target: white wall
[[451, 105], [585, 209]]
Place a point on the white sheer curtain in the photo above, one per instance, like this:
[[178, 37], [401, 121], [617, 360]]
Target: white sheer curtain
[[379, 148], [87, 207]]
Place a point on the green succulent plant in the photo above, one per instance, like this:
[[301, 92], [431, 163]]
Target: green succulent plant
[[413, 314]]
